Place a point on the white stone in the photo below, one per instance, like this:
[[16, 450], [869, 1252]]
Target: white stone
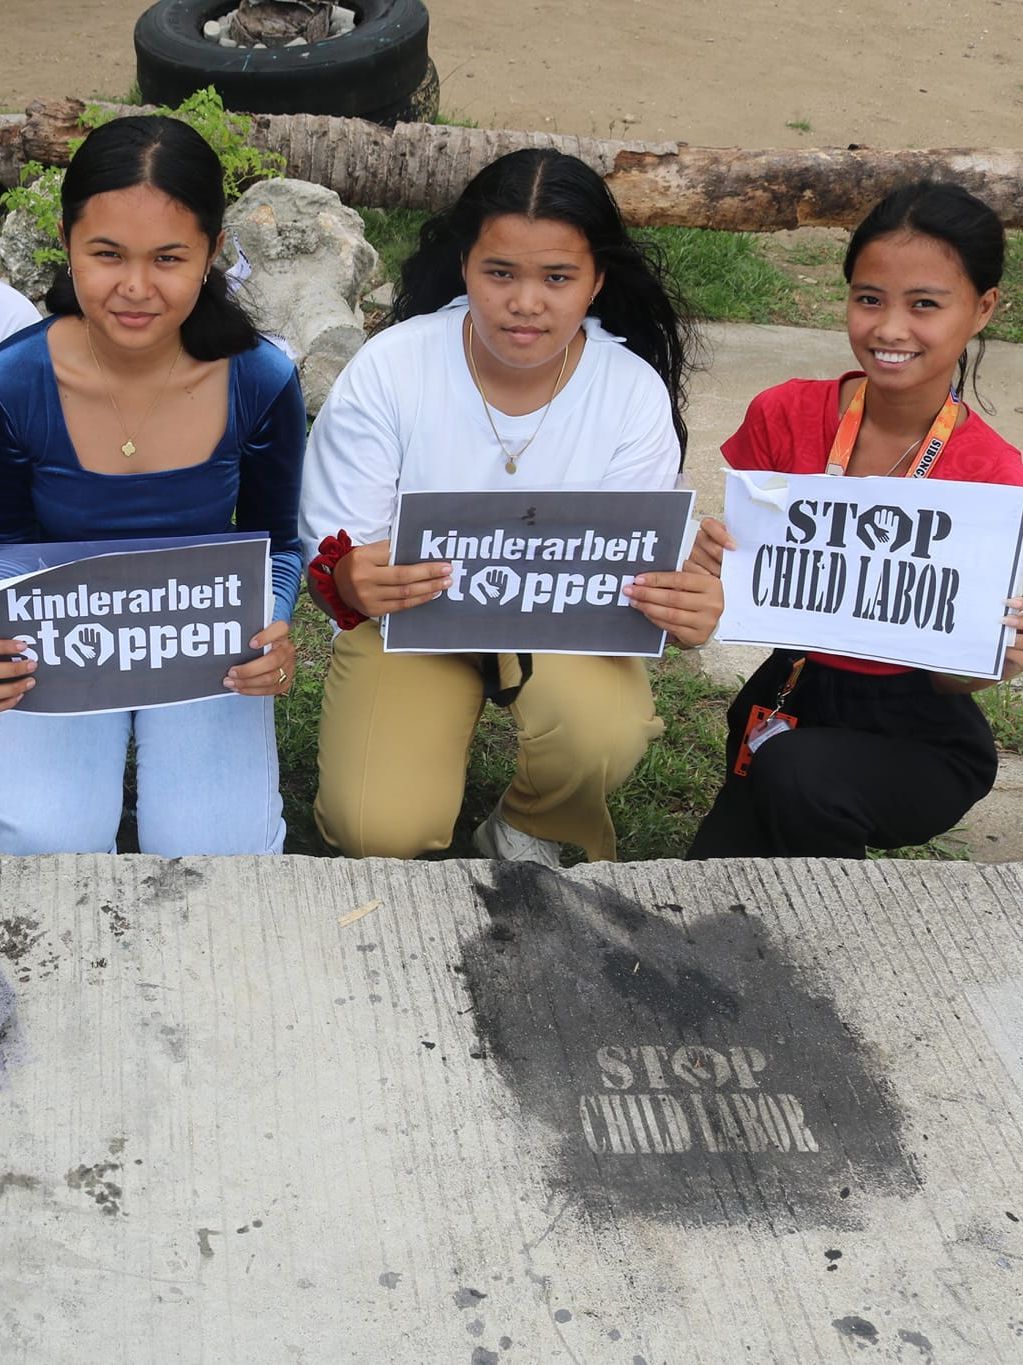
[[310, 265], [297, 42], [342, 21], [211, 29], [20, 239], [228, 42], [381, 297]]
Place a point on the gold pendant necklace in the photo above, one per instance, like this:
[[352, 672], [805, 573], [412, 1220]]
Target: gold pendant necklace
[[129, 448], [511, 461]]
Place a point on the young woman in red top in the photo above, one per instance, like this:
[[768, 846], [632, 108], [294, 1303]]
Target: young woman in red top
[[881, 756]]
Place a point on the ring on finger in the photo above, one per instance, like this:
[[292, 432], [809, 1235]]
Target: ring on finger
[[282, 677]]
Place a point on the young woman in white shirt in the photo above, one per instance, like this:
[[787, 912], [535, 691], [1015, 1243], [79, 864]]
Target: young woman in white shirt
[[535, 344]]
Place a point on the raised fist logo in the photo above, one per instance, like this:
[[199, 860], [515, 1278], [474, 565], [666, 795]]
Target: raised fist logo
[[496, 586], [88, 645]]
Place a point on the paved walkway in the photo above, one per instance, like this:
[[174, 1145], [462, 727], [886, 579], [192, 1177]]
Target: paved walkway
[[662, 1112], [742, 360]]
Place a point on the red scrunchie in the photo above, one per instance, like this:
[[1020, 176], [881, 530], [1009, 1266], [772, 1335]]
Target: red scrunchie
[[321, 570]]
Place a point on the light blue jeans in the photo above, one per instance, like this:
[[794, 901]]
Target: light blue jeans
[[207, 779]]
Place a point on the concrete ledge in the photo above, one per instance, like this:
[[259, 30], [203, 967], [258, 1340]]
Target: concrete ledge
[[645, 1113]]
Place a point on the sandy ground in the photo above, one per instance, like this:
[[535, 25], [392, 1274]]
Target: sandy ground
[[730, 72]]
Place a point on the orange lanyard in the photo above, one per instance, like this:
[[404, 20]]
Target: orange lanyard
[[930, 448]]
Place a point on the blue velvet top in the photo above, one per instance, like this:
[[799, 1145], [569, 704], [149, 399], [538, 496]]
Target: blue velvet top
[[254, 471]]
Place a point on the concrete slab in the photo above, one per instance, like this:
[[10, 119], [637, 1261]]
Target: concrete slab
[[638, 1114]]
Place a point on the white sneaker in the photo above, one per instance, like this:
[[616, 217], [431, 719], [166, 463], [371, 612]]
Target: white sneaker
[[495, 838]]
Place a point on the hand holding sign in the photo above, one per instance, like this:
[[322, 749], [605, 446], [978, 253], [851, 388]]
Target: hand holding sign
[[15, 676], [367, 582], [686, 603], [712, 540], [270, 675], [1014, 651]]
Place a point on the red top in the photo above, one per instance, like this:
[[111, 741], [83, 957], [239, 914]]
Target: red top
[[790, 429]]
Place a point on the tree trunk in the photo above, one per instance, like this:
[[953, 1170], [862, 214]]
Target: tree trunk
[[423, 166]]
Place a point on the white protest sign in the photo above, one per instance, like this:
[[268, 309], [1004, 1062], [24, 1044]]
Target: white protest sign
[[905, 571]]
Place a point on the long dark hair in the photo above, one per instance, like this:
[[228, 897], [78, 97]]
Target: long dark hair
[[638, 300], [952, 216], [149, 149]]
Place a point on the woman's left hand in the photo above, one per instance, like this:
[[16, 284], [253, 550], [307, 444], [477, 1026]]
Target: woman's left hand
[[1014, 652], [687, 602], [272, 673], [952, 683]]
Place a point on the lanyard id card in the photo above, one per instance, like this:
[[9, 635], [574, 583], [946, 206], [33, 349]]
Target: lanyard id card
[[763, 724], [930, 447], [766, 722]]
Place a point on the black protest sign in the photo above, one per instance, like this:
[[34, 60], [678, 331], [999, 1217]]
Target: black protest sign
[[904, 571], [536, 571], [129, 628]]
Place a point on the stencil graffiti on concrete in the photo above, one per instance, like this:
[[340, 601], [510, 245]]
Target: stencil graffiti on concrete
[[685, 1062]]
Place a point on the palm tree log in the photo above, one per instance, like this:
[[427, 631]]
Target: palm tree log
[[424, 166]]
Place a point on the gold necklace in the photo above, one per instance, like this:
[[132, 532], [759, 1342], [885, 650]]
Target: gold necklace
[[511, 462], [129, 447]]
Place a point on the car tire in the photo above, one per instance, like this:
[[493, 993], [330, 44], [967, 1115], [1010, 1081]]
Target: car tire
[[373, 72]]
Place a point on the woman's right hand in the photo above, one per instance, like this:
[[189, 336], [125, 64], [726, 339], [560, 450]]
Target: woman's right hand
[[16, 677], [366, 581], [712, 540]]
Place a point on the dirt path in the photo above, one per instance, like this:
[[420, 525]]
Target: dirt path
[[922, 73]]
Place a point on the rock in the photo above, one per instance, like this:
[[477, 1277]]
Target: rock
[[225, 41], [20, 239], [310, 263], [381, 297], [297, 42], [341, 21], [279, 22], [211, 29]]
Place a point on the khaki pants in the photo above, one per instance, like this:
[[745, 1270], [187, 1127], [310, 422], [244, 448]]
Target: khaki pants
[[396, 729]]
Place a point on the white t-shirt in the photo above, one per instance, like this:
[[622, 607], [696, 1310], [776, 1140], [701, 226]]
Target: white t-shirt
[[405, 415], [16, 311]]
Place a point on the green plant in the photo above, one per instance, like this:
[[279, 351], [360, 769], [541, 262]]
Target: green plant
[[37, 194], [227, 133], [38, 190], [800, 125], [456, 119]]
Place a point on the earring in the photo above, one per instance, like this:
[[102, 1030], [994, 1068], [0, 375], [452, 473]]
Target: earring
[[206, 277], [69, 272]]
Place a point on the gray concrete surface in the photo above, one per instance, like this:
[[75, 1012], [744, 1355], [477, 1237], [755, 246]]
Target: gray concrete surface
[[743, 360], [641, 1114]]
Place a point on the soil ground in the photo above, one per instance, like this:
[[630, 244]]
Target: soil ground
[[925, 73]]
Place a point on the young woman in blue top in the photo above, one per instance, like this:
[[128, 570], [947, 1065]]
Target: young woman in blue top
[[148, 406]]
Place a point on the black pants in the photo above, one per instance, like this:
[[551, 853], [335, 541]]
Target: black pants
[[878, 761]]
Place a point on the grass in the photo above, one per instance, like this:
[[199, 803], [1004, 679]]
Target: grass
[[655, 814], [793, 278], [1003, 706], [800, 125]]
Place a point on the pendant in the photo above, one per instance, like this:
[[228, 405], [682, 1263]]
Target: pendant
[[128, 449], [510, 467]]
